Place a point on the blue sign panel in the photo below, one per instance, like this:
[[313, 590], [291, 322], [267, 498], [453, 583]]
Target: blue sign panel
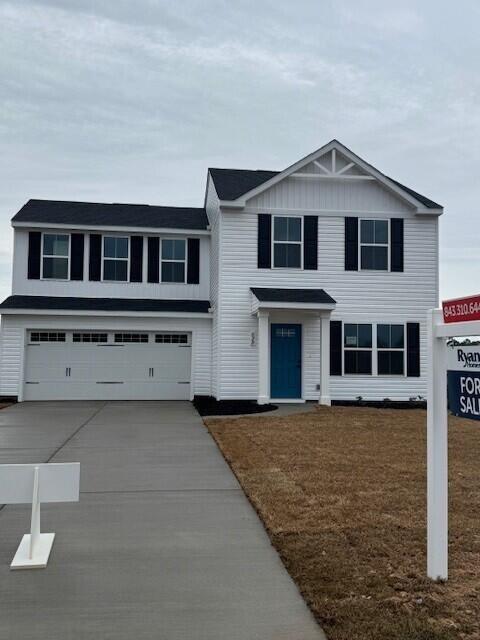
[[464, 382], [464, 394]]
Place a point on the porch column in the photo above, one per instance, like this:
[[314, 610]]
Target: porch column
[[263, 357], [324, 359]]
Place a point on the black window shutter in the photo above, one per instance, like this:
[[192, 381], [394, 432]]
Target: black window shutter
[[193, 264], [95, 264], [413, 349], [264, 247], [310, 242], [77, 243], [335, 348], [396, 256], [136, 258], [34, 249], [153, 266], [351, 244]]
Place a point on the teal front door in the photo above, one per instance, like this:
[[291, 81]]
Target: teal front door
[[286, 361]]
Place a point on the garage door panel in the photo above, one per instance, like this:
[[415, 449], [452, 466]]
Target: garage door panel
[[83, 371]]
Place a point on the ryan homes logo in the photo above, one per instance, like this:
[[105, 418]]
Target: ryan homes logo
[[468, 359]]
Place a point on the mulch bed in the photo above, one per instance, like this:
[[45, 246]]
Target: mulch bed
[[208, 406], [342, 494]]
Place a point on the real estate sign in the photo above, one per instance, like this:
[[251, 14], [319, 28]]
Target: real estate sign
[[461, 309], [464, 381]]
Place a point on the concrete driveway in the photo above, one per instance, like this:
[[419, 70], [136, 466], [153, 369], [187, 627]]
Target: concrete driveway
[[162, 545]]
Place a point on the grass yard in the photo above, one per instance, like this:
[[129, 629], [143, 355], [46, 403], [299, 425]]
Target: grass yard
[[342, 494]]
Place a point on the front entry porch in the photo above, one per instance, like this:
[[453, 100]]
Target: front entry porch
[[289, 320]]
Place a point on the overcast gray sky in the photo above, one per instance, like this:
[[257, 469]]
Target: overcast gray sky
[[124, 101]]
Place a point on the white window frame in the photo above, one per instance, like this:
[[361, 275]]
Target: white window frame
[[379, 349], [185, 261], [371, 349], [55, 233], [127, 259], [375, 350], [373, 244], [300, 242]]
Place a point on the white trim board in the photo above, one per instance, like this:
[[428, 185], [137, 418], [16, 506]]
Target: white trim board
[[99, 314], [112, 229]]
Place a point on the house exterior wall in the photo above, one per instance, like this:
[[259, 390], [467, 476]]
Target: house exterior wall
[[21, 285], [13, 330], [361, 296]]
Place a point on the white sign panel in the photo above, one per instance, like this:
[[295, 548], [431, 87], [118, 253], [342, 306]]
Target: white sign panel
[[59, 482], [36, 483], [463, 357]]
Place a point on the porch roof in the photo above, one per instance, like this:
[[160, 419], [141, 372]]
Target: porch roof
[[315, 299]]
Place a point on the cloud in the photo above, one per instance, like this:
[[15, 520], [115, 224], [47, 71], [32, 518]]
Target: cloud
[[120, 101]]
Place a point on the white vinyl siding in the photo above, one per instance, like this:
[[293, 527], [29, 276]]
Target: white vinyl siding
[[21, 285], [362, 297]]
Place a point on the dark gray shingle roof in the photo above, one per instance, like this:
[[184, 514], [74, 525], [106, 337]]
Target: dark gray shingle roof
[[315, 296], [118, 215], [430, 204], [230, 184], [43, 303]]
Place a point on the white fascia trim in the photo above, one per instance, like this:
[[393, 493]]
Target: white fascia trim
[[334, 144], [305, 306], [115, 229], [99, 314]]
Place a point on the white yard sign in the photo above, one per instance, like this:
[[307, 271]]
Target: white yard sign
[[36, 483], [460, 318]]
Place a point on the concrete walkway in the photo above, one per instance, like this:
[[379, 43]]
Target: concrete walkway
[[163, 544]]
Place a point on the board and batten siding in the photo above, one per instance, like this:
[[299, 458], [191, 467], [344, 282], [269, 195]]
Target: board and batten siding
[[361, 297], [347, 196], [14, 327], [21, 285]]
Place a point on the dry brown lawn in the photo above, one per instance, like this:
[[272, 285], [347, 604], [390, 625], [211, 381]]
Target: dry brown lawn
[[342, 494]]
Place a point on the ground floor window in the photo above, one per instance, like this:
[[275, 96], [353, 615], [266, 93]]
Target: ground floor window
[[374, 349], [391, 349], [357, 344]]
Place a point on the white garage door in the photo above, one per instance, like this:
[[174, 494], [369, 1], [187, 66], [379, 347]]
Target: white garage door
[[95, 365]]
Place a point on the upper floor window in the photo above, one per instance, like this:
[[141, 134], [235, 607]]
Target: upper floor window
[[287, 242], [115, 258], [173, 260], [357, 348], [374, 245], [55, 256], [391, 349]]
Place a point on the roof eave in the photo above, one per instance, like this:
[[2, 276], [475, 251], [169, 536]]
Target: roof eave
[[133, 314], [113, 228]]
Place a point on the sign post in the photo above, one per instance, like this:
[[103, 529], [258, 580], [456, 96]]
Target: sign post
[[36, 483], [460, 318]]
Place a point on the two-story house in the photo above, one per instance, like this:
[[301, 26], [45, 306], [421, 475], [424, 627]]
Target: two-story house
[[310, 283]]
